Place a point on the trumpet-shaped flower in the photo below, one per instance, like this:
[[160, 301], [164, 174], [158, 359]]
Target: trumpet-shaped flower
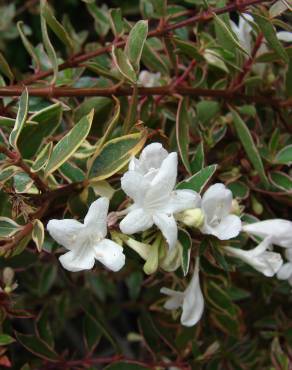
[[86, 242], [266, 262], [280, 231], [285, 272], [191, 300], [243, 31], [150, 183], [216, 207], [148, 79]]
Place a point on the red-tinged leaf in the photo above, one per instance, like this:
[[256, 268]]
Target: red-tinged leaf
[[4, 361], [37, 347]]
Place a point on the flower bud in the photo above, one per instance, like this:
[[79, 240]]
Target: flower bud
[[256, 206], [192, 217]]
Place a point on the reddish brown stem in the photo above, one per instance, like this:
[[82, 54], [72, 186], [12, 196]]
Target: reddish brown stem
[[18, 161], [237, 83], [57, 92], [204, 17]]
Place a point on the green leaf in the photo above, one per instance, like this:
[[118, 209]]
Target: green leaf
[[239, 189], [42, 158], [71, 172], [153, 60], [100, 15], [226, 36], [199, 159], [116, 21], [198, 181], [159, 7], [207, 110], [47, 43], [188, 48], [38, 234], [6, 339], [56, 27], [69, 143], [284, 156], [269, 32], [28, 46], [135, 43], [124, 65], [20, 119], [249, 145], [115, 154], [5, 69], [111, 124], [134, 284], [47, 278], [185, 241], [288, 78], [215, 60], [32, 137], [183, 123], [37, 346], [281, 180], [91, 332]]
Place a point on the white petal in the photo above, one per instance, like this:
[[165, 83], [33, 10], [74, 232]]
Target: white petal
[[181, 200], [64, 231], [158, 194], [79, 259], [166, 177], [167, 225], [216, 202], [280, 230], [285, 271], [152, 156], [135, 186], [229, 227], [97, 215], [193, 305], [136, 221], [110, 254], [268, 263], [284, 36], [175, 300]]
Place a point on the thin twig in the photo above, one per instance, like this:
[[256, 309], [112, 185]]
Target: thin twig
[[76, 60], [18, 161]]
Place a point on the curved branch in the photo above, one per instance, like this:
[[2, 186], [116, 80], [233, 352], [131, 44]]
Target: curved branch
[[76, 60]]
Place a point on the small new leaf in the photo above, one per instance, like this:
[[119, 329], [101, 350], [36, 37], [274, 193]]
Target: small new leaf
[[135, 43], [20, 119], [38, 234]]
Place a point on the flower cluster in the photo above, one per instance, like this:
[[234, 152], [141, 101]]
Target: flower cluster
[[150, 183]]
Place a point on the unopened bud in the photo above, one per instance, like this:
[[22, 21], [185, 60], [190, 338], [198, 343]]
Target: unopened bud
[[193, 217], [235, 207], [7, 289], [256, 206]]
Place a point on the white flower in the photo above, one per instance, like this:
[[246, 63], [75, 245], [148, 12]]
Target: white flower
[[285, 272], [284, 36], [150, 183], [279, 230], [191, 300], [148, 79], [216, 207], [86, 242], [243, 31], [266, 262]]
